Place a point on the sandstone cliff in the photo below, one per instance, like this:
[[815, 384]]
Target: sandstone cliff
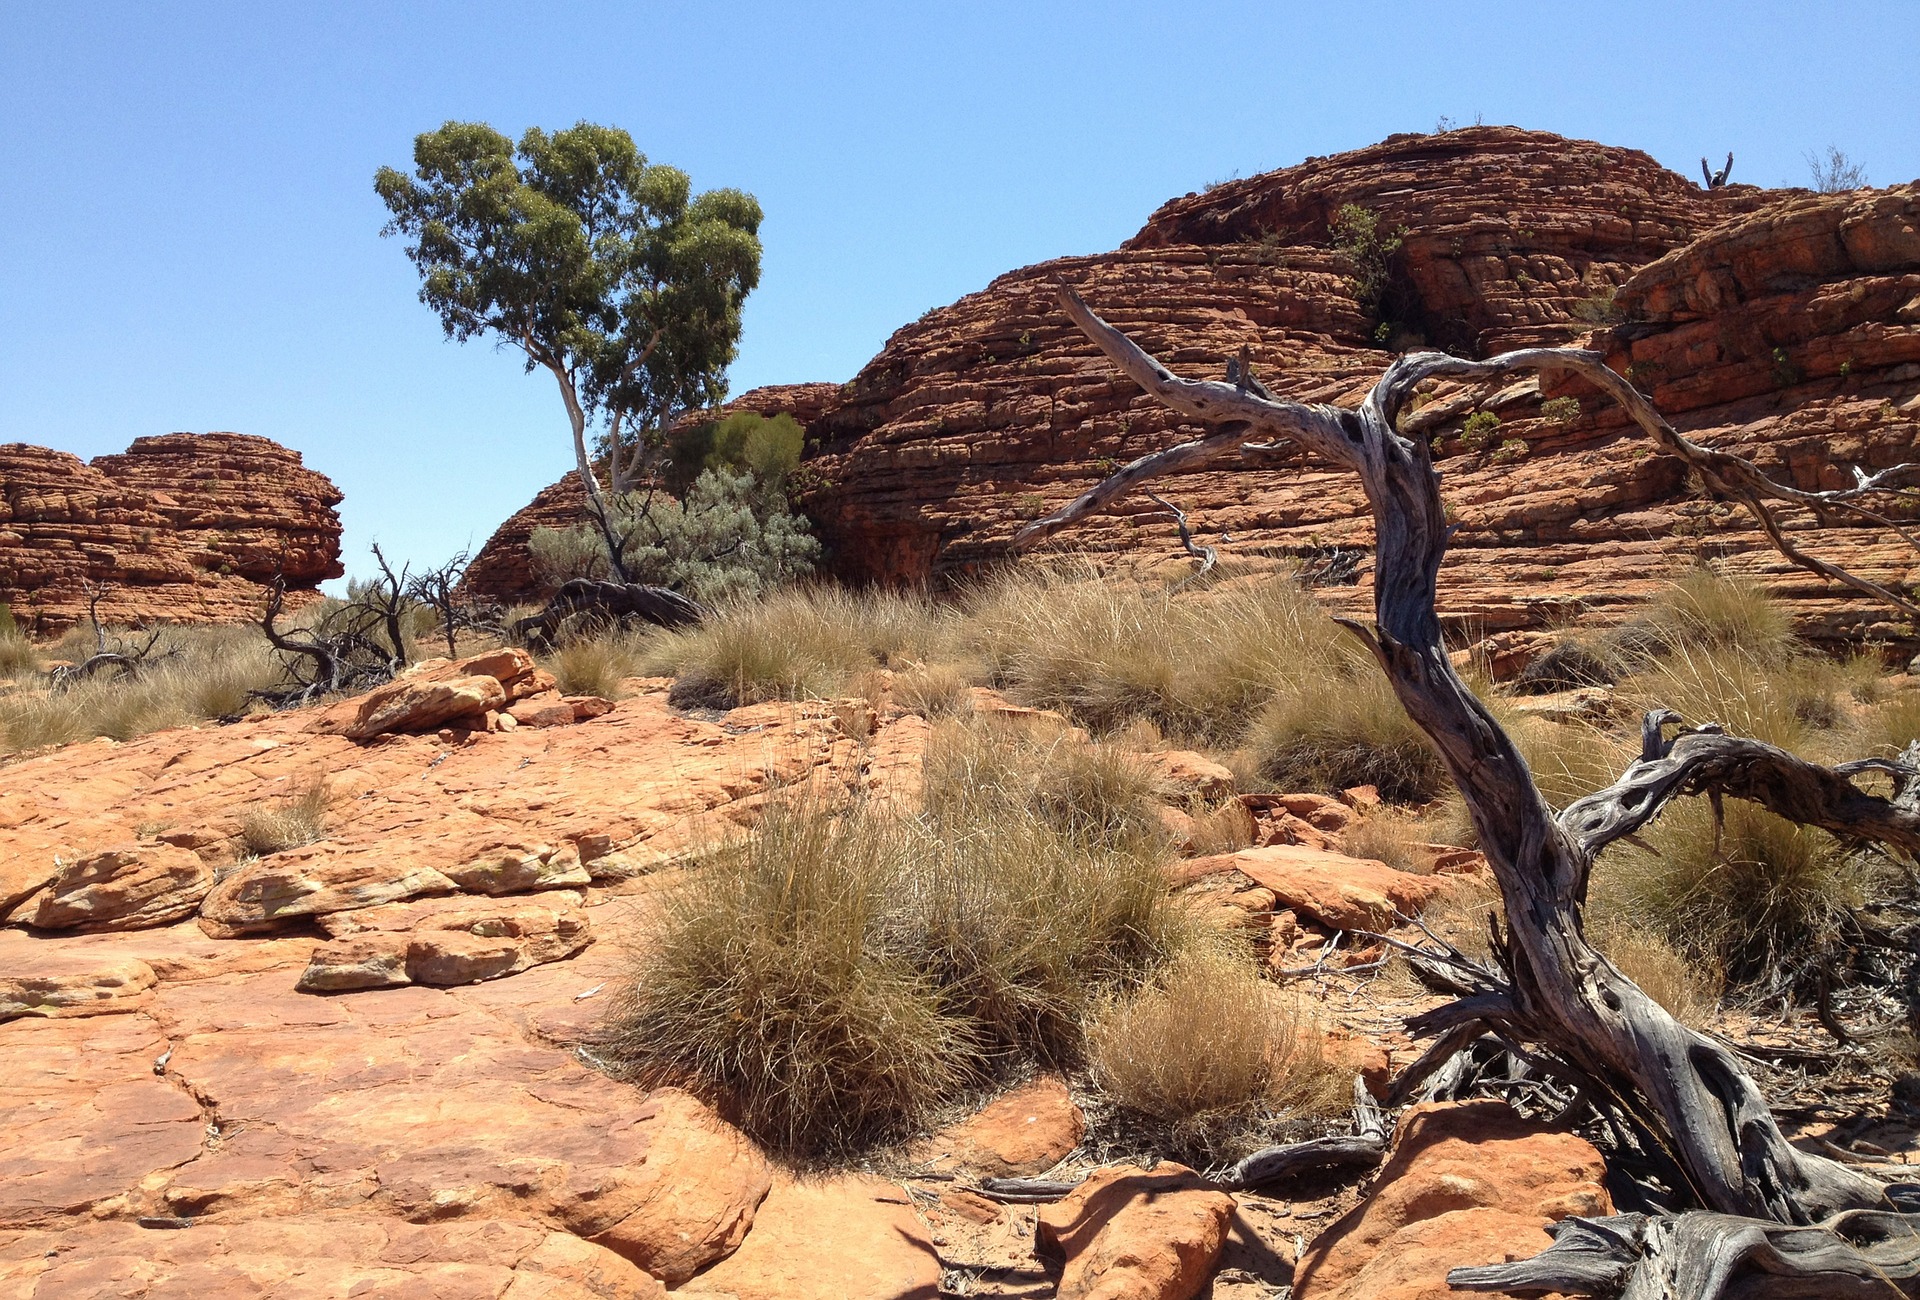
[[184, 528], [989, 412]]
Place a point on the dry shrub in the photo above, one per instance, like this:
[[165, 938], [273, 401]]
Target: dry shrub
[[1108, 652], [282, 824], [1348, 730], [1764, 898], [1887, 728], [1215, 1053], [17, 655], [1689, 991], [834, 979]]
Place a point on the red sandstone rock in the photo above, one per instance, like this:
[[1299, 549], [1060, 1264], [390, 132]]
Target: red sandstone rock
[[1028, 1131], [1466, 1183], [828, 1238], [128, 887], [1127, 1234], [989, 412], [320, 1257], [185, 527], [1337, 891]]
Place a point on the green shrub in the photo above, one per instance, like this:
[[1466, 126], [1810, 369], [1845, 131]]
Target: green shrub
[[1560, 410], [1369, 249], [1480, 431], [743, 442], [731, 536]]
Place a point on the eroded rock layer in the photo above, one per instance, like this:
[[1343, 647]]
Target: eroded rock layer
[[1777, 323], [183, 527]]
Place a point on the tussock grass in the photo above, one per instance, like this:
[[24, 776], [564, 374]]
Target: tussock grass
[[17, 655], [1214, 1053], [281, 824], [1783, 701], [1707, 610], [596, 665], [1761, 899], [981, 771], [1107, 653], [800, 643], [207, 675], [1389, 835], [834, 979], [932, 690], [1350, 731]]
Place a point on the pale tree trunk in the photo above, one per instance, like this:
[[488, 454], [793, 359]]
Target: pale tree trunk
[[597, 507], [1595, 1027]]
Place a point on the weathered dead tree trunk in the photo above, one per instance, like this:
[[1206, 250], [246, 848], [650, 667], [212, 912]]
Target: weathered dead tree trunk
[[1585, 1021], [613, 601]]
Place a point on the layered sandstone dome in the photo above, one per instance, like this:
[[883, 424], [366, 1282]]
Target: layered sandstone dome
[[183, 528], [1748, 312]]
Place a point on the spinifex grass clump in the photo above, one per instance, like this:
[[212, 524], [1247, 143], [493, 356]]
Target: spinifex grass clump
[[276, 825], [835, 977], [1347, 730], [1214, 1054]]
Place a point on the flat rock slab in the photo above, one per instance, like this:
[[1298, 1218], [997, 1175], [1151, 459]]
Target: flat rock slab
[[1028, 1131], [830, 1239], [318, 1257]]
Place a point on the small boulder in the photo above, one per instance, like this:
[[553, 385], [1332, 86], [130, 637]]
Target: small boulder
[[1186, 776], [1028, 1131], [588, 707], [1466, 1183], [368, 961], [546, 709], [311, 881], [128, 887], [416, 704], [1127, 1234], [828, 1239], [1330, 888], [445, 941], [517, 868]]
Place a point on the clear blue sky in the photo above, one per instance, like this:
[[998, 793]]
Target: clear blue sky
[[188, 230]]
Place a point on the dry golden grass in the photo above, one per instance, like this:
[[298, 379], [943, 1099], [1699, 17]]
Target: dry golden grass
[[1708, 610], [1688, 989], [979, 770], [834, 979], [281, 824], [1349, 730], [800, 643], [932, 690], [1225, 829], [208, 675], [1197, 665], [596, 665], [1391, 836], [1761, 899], [1214, 1053]]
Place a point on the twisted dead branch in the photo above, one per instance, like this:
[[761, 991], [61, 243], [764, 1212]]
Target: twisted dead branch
[[1682, 1099]]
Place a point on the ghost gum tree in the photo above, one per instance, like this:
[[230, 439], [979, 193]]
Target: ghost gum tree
[[601, 268], [1747, 1213]]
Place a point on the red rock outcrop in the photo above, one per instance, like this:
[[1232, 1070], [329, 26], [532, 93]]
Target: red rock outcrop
[[183, 527], [987, 413]]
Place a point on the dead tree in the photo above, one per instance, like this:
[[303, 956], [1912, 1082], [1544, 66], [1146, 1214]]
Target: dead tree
[[612, 601], [354, 647], [110, 654], [439, 590], [1773, 1219]]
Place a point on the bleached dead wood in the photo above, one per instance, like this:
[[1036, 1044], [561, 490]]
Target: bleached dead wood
[[1593, 1025]]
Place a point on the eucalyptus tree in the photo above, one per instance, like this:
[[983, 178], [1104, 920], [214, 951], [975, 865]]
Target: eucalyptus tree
[[599, 267]]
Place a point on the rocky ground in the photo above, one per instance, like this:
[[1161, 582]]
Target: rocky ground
[[364, 1065]]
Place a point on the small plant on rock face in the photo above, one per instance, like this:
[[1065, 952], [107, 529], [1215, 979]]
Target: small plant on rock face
[[1369, 248], [1511, 450], [1598, 308], [1560, 410], [1480, 431], [287, 823]]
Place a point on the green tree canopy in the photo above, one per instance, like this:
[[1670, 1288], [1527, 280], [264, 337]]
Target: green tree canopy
[[602, 268]]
